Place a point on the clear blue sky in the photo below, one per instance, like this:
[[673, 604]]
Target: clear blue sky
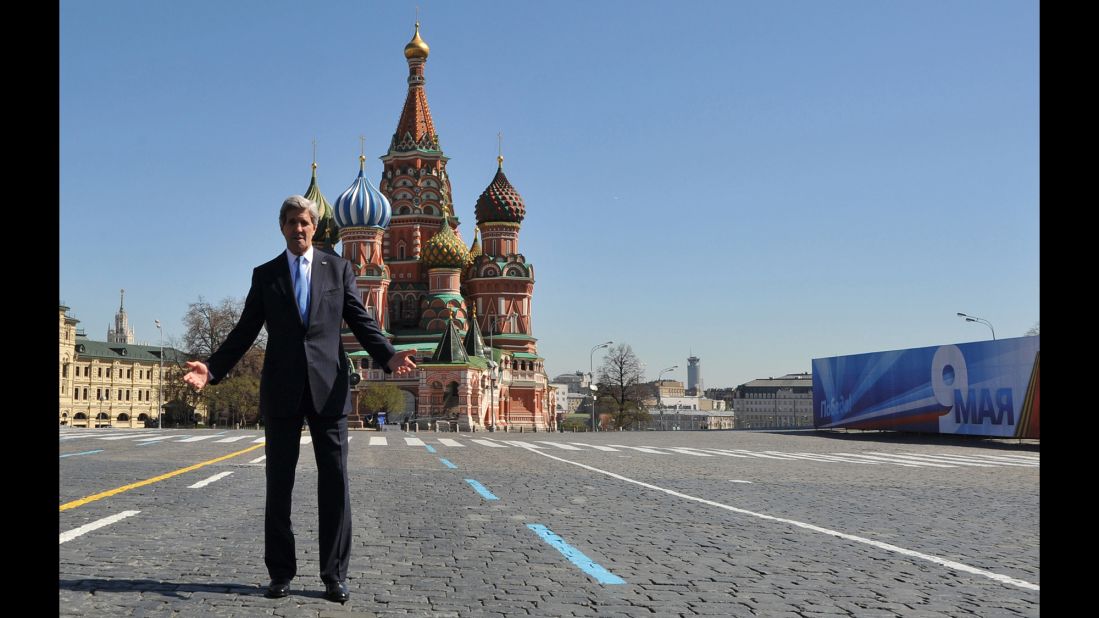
[[761, 183]]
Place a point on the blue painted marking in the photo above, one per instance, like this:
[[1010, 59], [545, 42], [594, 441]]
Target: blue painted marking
[[448, 464], [430, 449], [575, 556], [84, 453], [479, 488]]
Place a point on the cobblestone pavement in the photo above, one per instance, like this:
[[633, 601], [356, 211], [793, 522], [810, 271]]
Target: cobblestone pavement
[[695, 523]]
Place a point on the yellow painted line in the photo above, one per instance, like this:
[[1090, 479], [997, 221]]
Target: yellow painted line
[[111, 492]]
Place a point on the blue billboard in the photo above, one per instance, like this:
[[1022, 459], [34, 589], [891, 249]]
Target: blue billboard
[[986, 388]]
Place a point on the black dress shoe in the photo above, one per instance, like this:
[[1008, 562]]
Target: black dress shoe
[[336, 591], [277, 589]]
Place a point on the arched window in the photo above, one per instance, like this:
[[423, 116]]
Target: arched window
[[124, 417], [400, 251]]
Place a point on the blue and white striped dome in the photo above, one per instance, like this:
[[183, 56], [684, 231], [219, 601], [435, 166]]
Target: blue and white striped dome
[[361, 205]]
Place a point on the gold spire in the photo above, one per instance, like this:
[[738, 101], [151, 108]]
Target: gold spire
[[416, 48]]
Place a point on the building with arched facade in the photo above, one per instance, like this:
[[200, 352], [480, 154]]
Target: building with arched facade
[[113, 383], [466, 311]]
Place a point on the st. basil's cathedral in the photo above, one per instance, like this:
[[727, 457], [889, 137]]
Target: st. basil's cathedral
[[466, 311]]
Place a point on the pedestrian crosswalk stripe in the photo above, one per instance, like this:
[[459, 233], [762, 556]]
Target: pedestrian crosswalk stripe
[[522, 444], [450, 442], [718, 451], [197, 438], [641, 449], [161, 438], [993, 459], [258, 440], [129, 436], [688, 451], [898, 462], [560, 445], [414, 442], [596, 446], [940, 460], [378, 441], [233, 439], [258, 459], [487, 443], [837, 459]]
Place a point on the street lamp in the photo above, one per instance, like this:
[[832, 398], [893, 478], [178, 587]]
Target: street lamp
[[973, 318], [160, 389], [591, 378], [659, 403]]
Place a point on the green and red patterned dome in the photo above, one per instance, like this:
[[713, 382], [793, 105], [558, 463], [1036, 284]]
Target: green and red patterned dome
[[445, 249], [500, 202]]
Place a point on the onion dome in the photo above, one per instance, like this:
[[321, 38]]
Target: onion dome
[[361, 205], [327, 231], [475, 248], [500, 201], [416, 48], [445, 249]]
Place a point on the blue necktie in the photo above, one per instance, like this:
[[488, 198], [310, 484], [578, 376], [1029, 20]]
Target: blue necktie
[[301, 290]]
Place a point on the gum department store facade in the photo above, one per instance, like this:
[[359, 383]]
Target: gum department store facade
[[430, 292]]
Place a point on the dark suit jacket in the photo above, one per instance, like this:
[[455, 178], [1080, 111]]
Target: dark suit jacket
[[295, 353]]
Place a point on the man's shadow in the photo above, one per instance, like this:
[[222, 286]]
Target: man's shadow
[[172, 590]]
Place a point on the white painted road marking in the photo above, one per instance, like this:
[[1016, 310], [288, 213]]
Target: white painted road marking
[[306, 439], [129, 436], [206, 482], [595, 446], [233, 439], [487, 443], [197, 438], [642, 449], [258, 459], [896, 462], [522, 444], [735, 481], [560, 445], [451, 442], [983, 459], [161, 438], [414, 442], [686, 450], [941, 460], [378, 441], [950, 564], [258, 440], [106, 521]]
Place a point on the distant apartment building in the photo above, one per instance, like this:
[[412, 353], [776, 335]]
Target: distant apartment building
[[770, 403]]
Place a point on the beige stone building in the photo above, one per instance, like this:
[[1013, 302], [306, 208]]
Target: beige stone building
[[105, 383]]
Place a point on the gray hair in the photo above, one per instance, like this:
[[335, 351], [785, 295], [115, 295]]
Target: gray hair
[[296, 203]]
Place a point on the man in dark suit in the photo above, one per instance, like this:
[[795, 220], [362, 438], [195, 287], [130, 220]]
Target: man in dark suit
[[301, 296]]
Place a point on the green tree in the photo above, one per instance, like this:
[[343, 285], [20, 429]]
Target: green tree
[[381, 397]]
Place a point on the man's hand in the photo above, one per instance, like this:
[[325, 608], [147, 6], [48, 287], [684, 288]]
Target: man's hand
[[402, 363], [198, 375]]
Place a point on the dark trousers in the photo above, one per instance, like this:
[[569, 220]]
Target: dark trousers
[[333, 492]]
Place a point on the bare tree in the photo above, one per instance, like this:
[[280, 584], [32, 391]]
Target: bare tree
[[207, 326], [1033, 331], [236, 396], [620, 389]]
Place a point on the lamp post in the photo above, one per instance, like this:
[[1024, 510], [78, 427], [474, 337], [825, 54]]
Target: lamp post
[[659, 401], [160, 389], [591, 378], [973, 318]]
